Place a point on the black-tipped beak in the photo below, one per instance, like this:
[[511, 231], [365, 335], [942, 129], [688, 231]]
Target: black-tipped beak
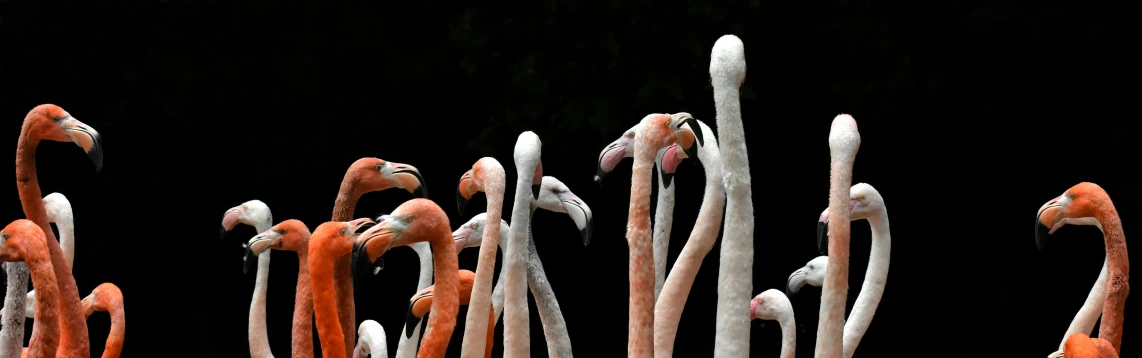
[[421, 190], [360, 269], [461, 203], [535, 191], [667, 178], [410, 321], [586, 233], [695, 128], [222, 232], [599, 176], [1042, 233], [96, 152], [823, 237], [246, 258]]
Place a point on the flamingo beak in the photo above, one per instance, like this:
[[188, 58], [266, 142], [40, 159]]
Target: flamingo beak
[[463, 192], [668, 161], [256, 246], [579, 212], [460, 237], [610, 157], [410, 179], [370, 247], [85, 137], [753, 309], [230, 220], [688, 137], [537, 181], [88, 305], [795, 282], [1048, 219]]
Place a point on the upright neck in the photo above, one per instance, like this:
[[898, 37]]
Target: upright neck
[[1092, 308], [343, 208], [259, 342], [517, 337], [663, 221], [67, 241], [46, 326], [424, 253], [303, 308], [446, 298], [788, 334], [325, 307], [115, 338], [1118, 276], [640, 340], [345, 204], [873, 288], [830, 327], [15, 310]]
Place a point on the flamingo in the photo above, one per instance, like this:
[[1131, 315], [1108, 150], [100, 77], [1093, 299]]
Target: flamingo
[[59, 212], [371, 341], [421, 304], [668, 308], [663, 210], [772, 305], [1092, 308], [735, 270], [329, 242], [291, 235], [486, 175], [363, 176], [657, 131], [844, 141], [865, 202], [257, 214], [406, 347], [23, 240], [1080, 345], [529, 174], [108, 298], [50, 122], [414, 221], [1088, 200]]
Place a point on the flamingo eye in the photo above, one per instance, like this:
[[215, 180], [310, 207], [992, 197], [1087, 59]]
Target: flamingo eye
[[345, 231], [379, 166], [473, 225]]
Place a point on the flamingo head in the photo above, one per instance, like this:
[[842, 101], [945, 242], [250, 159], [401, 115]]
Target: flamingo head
[[370, 332], [813, 273], [253, 213], [614, 152], [372, 174], [289, 235], [334, 239], [686, 134], [49, 121], [864, 202], [103, 298], [769, 305], [58, 208], [1079, 345], [19, 241], [471, 234], [1079, 205], [413, 221], [473, 180], [555, 196]]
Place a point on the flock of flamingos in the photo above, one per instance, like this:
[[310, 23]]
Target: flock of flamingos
[[337, 253]]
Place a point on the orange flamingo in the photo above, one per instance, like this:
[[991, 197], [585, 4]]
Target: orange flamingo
[[488, 176], [24, 241], [1088, 200], [419, 220], [12, 344], [1080, 345], [50, 122], [108, 298], [421, 304], [844, 141], [292, 235], [364, 176], [658, 131], [329, 242]]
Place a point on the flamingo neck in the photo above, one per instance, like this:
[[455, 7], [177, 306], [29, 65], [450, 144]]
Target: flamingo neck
[[475, 340], [517, 335], [303, 308], [325, 307], [15, 310], [550, 315], [663, 221], [830, 327], [1086, 317], [73, 321], [67, 241], [115, 338], [446, 298], [640, 340], [343, 208], [424, 252], [257, 335], [872, 290], [46, 326], [1118, 279], [345, 204], [788, 333]]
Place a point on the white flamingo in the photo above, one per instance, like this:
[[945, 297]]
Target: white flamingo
[[772, 305], [255, 213], [371, 341]]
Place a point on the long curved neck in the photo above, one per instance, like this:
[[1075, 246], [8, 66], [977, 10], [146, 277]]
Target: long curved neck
[[554, 326], [640, 340], [874, 280], [67, 241], [668, 309], [830, 327], [1118, 280], [118, 332], [325, 307], [259, 342], [73, 321], [343, 208], [1091, 309], [475, 326], [424, 252], [735, 269], [46, 326], [303, 308], [663, 221], [14, 313], [788, 333], [446, 298], [517, 337]]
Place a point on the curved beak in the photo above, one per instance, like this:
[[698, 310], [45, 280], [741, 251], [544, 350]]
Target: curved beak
[[256, 246], [668, 160], [85, 137], [753, 309], [1047, 220], [463, 192], [687, 137], [537, 181], [417, 309], [88, 305], [579, 212], [410, 179], [230, 219], [460, 237], [795, 281], [610, 157], [369, 247]]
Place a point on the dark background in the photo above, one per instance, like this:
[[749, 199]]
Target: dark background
[[971, 117]]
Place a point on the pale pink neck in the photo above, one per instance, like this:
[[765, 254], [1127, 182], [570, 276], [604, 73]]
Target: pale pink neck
[[476, 323], [830, 327]]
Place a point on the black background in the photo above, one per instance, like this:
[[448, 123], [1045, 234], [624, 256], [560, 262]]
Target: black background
[[971, 116]]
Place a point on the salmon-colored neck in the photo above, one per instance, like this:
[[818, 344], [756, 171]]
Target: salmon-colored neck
[[303, 308], [345, 204], [446, 300], [46, 328], [325, 307], [115, 339]]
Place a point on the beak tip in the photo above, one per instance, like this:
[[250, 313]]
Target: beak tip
[[535, 191], [1042, 233], [586, 233], [461, 202], [222, 232], [823, 237]]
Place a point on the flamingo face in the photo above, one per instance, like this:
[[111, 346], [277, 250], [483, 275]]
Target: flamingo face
[[372, 174], [55, 124], [372, 244], [555, 196], [16, 236], [250, 213], [471, 234], [624, 147], [812, 273], [102, 298], [289, 235], [465, 190], [1076, 206], [864, 202], [766, 305]]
